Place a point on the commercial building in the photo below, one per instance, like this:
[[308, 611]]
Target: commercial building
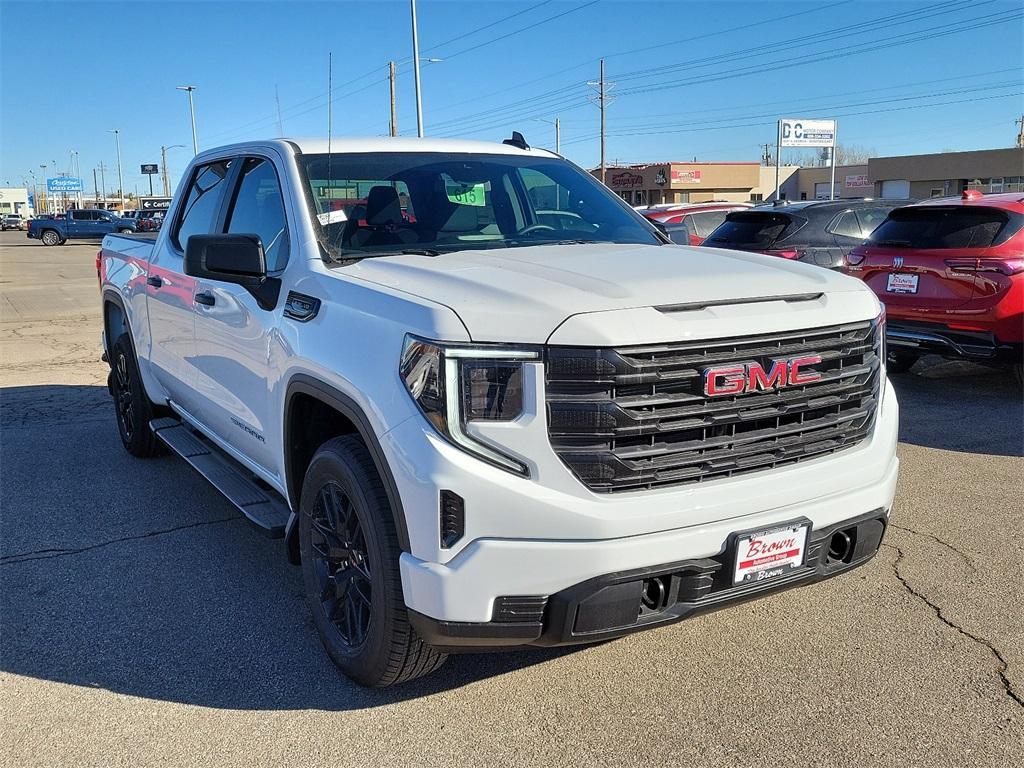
[[912, 176], [675, 182], [15, 200]]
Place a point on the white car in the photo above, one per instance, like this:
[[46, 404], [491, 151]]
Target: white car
[[490, 405]]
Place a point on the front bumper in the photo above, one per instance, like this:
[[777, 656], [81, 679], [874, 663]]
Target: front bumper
[[624, 602]]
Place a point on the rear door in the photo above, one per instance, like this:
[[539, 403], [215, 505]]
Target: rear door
[[81, 224], [925, 257]]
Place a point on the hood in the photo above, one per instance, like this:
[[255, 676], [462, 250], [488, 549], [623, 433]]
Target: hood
[[521, 295]]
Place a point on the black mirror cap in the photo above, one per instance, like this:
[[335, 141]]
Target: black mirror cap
[[236, 258]]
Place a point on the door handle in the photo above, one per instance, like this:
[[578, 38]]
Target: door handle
[[206, 299], [155, 280]]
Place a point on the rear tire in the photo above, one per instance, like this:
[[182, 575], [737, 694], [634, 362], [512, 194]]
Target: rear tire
[[50, 237], [349, 550], [898, 361], [132, 405]]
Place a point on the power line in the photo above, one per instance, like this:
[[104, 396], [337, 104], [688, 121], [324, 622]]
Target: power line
[[488, 119], [893, 20], [502, 20]]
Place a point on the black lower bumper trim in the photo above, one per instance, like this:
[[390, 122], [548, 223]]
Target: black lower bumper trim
[[618, 604], [939, 339]]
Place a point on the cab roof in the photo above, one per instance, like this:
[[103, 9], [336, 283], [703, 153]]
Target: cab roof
[[342, 145]]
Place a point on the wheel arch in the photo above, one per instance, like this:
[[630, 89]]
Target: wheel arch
[[329, 412], [115, 319]]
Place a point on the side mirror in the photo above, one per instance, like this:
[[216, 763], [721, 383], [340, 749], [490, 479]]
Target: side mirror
[[228, 258]]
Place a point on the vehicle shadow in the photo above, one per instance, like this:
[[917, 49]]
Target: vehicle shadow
[[136, 577], [960, 406]]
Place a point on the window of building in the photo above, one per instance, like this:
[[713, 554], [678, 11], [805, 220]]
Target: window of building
[[756, 197], [259, 209]]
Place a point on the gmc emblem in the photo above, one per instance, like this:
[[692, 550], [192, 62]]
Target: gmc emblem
[[752, 377]]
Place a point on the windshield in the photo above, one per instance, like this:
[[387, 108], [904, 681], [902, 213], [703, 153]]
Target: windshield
[[389, 202]]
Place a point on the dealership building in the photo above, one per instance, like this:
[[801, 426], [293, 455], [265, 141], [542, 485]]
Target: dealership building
[[15, 200], [903, 177]]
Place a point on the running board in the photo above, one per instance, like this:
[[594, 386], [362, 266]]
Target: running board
[[263, 508]]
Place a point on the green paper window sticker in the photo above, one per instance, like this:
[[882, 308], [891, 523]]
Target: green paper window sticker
[[466, 194]]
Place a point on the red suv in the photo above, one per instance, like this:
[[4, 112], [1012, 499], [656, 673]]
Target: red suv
[[951, 275], [690, 223]]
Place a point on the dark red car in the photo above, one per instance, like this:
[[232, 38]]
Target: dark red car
[[690, 223], [951, 275]]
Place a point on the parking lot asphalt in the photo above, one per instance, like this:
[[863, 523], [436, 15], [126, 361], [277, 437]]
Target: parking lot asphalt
[[143, 623]]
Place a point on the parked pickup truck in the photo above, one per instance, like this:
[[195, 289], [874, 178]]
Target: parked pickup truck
[[84, 223], [475, 430]]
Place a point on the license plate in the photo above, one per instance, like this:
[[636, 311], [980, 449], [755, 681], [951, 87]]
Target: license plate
[[901, 283], [769, 554]]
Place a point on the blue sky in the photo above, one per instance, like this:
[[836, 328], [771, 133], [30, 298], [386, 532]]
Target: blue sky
[[703, 80]]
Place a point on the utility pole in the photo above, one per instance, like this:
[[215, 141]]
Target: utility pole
[[163, 169], [120, 178], [1020, 133], [558, 136], [95, 189], [394, 100], [766, 158], [103, 182], [602, 86], [416, 70]]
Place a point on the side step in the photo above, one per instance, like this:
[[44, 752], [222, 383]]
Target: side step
[[263, 508]]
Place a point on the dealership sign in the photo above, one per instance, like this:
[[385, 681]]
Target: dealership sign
[[149, 169], [154, 203], [64, 184], [685, 177], [859, 180], [807, 133], [627, 180]]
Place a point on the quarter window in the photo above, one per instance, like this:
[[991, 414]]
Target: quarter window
[[846, 225], [202, 202], [259, 210]]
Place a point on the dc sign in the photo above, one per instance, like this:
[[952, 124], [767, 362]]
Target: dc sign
[[64, 184], [807, 133]]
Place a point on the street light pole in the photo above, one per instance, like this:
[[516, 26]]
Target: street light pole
[[120, 180], [416, 70], [192, 111]]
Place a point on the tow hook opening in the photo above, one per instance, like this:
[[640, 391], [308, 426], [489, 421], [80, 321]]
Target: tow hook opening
[[841, 546], [654, 595]]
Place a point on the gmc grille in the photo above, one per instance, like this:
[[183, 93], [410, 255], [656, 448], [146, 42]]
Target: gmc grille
[[634, 418]]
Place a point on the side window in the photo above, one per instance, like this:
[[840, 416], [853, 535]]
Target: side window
[[199, 214], [259, 209], [82, 215], [706, 223], [846, 225], [870, 218]]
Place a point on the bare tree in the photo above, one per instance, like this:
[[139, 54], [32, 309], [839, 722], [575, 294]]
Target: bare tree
[[846, 154]]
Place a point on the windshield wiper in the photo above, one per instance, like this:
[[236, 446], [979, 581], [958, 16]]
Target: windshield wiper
[[402, 252], [892, 243]]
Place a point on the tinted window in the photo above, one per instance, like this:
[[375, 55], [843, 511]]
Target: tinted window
[[679, 233], [870, 218], [457, 201], [202, 201], [754, 229], [941, 228], [259, 210], [83, 215], [706, 223], [846, 225]]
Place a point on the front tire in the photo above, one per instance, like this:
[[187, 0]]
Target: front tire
[[899, 361], [349, 550], [50, 237], [134, 410]]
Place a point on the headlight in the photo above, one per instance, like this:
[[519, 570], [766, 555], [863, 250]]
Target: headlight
[[454, 385]]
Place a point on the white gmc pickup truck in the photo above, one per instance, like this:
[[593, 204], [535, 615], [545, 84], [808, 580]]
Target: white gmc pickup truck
[[486, 404]]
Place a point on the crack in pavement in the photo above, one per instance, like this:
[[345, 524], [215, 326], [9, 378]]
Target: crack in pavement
[[937, 540], [1003, 665], [45, 554]]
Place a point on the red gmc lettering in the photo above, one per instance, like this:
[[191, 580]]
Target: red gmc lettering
[[758, 379], [796, 377], [732, 381]]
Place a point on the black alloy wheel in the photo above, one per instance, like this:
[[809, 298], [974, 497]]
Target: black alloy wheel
[[341, 564], [132, 405]]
